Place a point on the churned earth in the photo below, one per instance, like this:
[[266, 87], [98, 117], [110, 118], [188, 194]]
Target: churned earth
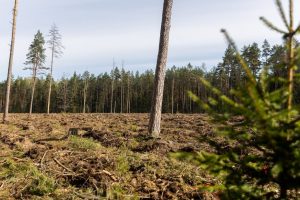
[[103, 156]]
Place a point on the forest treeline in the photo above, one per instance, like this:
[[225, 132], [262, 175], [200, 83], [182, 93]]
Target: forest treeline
[[122, 91]]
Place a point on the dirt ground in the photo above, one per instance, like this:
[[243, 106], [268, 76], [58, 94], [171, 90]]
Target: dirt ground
[[102, 156]]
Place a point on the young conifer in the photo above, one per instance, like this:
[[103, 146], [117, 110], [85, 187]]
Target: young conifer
[[265, 158]]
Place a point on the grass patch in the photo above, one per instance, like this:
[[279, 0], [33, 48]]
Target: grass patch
[[133, 144], [116, 191], [83, 144], [122, 164], [25, 178], [134, 128]]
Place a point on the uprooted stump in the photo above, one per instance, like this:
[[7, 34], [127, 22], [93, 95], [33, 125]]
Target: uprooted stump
[[155, 145], [107, 139], [78, 131], [71, 131]]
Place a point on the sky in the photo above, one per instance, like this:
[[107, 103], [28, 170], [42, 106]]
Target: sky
[[97, 31]]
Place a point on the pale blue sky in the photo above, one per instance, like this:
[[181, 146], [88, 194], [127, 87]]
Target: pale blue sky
[[95, 31]]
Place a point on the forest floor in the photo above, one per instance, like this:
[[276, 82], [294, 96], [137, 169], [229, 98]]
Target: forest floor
[[102, 156]]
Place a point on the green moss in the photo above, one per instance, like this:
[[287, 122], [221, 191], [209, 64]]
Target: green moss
[[36, 182], [41, 184], [115, 192], [79, 143], [122, 164], [134, 128]]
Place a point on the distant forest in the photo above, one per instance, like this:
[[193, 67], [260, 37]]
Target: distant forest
[[122, 91]]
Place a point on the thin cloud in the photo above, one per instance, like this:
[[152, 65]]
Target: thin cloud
[[95, 31]]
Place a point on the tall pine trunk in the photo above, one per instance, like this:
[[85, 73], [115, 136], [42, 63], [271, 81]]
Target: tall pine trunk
[[291, 56], [33, 89], [112, 96], [84, 96], [128, 95], [50, 82], [156, 109], [11, 57], [173, 88], [65, 96], [121, 109], [112, 89]]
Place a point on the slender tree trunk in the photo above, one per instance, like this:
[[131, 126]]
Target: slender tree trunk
[[291, 73], [156, 109], [10, 64], [190, 105], [291, 56], [173, 88], [129, 106], [115, 106], [184, 103], [65, 96], [97, 100], [33, 90], [84, 95], [112, 96], [121, 111], [112, 88], [83, 111], [50, 83], [128, 95]]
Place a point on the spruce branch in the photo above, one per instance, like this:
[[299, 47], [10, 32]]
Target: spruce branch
[[271, 26], [282, 13], [291, 6]]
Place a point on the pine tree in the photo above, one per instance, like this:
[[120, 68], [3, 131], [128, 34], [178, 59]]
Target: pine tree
[[266, 52], [85, 78], [10, 65], [156, 109], [36, 58], [252, 54], [56, 47]]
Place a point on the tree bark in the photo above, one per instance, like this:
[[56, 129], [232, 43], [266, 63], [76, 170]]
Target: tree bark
[[112, 89], [173, 88], [128, 95], [10, 64], [115, 106], [112, 96], [65, 96], [50, 83], [121, 109], [84, 95], [156, 109], [33, 90], [291, 56]]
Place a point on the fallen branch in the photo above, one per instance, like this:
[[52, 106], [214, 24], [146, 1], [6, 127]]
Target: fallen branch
[[53, 139], [109, 175], [62, 165], [42, 160]]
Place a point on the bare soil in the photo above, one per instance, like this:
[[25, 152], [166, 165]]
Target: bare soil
[[103, 156]]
